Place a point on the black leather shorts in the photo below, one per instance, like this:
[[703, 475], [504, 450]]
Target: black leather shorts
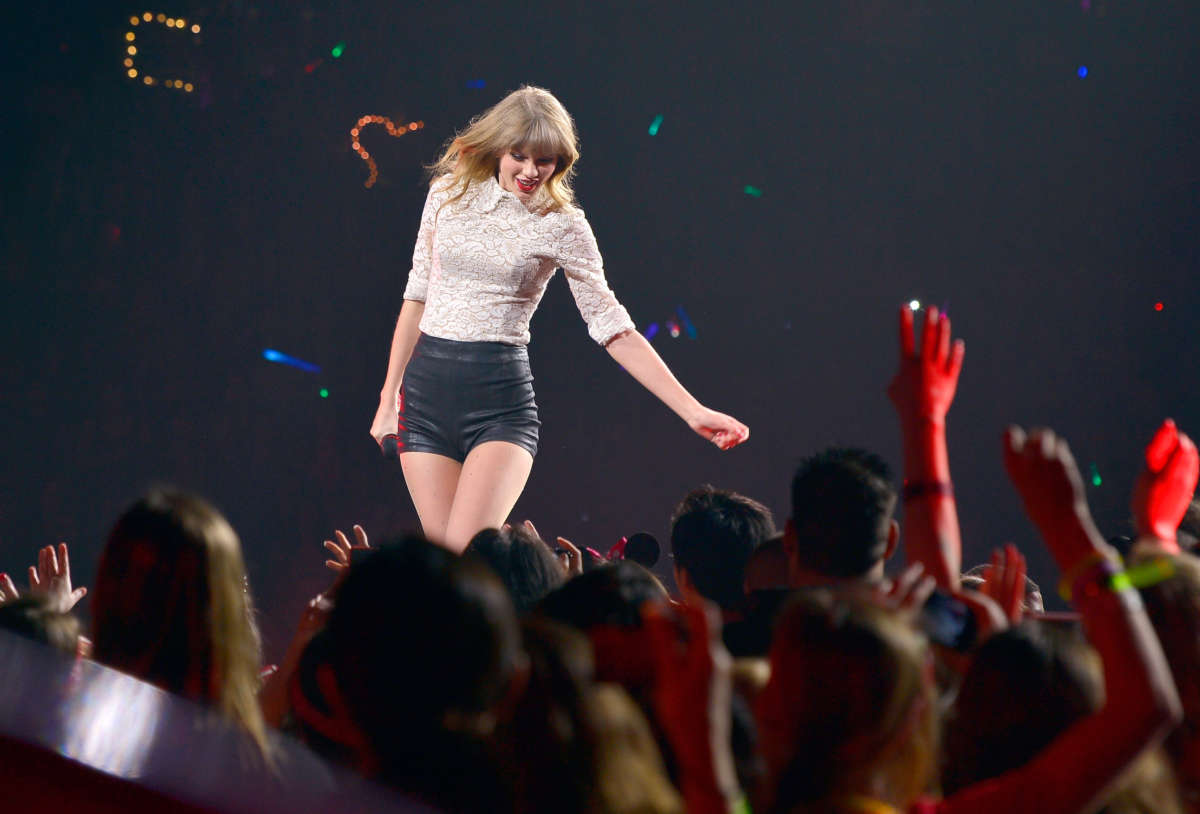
[[456, 395]]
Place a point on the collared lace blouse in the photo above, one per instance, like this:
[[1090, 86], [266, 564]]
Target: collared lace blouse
[[481, 266]]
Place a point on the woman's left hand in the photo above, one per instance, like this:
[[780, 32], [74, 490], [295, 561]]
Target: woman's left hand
[[723, 430]]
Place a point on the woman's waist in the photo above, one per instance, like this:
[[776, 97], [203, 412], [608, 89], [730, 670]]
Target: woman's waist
[[469, 350]]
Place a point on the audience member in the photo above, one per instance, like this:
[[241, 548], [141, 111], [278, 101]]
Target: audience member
[[525, 565], [713, 534], [426, 662], [171, 605]]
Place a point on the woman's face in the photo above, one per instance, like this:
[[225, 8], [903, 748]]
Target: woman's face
[[523, 171]]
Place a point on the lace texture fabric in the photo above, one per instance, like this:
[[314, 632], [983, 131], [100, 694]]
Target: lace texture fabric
[[482, 263]]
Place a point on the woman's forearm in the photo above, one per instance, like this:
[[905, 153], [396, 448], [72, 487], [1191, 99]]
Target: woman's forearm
[[632, 352], [403, 340]]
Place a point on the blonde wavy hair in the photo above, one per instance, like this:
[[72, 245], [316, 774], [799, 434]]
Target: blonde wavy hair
[[170, 606], [530, 118]]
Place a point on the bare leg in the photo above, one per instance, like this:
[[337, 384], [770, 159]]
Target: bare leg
[[432, 481], [493, 477]]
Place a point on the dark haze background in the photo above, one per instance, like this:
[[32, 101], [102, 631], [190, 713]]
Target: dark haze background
[[155, 242]]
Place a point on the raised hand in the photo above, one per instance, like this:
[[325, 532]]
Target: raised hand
[[342, 548], [569, 556], [925, 381], [723, 430], [1165, 486], [1004, 581], [1041, 467], [51, 578]]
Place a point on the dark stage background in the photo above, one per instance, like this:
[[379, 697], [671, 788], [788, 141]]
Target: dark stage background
[[157, 241]]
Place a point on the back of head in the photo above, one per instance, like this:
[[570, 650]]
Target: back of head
[[170, 604], [1024, 687], [526, 566], [713, 534], [33, 618], [424, 645], [608, 595], [842, 505], [848, 708]]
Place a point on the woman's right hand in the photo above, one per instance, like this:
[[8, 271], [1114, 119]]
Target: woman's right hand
[[387, 419]]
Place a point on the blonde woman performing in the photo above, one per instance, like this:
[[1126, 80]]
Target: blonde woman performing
[[458, 399]]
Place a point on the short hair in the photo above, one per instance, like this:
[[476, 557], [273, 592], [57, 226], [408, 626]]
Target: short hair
[[713, 533], [842, 504], [525, 564]]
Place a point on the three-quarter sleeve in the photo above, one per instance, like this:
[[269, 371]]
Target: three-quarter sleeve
[[579, 257], [418, 277]]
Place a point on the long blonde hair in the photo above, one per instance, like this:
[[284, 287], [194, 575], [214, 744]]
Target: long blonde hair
[[170, 606], [529, 117], [849, 708]]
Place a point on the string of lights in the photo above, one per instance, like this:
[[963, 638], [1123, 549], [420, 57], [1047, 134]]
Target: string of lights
[[131, 48], [392, 129]]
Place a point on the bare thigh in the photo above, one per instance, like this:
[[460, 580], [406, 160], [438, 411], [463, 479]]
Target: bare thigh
[[432, 482], [492, 478]]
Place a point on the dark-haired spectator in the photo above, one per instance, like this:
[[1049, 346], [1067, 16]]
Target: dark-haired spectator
[[171, 606], [1025, 686], [525, 564], [847, 717], [426, 661], [842, 525], [713, 533]]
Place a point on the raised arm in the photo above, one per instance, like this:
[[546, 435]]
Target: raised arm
[[632, 352], [922, 392], [1141, 705]]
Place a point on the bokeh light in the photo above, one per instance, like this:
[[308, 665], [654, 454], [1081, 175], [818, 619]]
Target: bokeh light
[[169, 22], [393, 130]]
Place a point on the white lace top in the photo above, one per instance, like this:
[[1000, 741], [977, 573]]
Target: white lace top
[[481, 266]]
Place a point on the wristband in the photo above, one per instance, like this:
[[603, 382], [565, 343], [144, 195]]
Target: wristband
[[915, 489], [1103, 575], [1150, 573], [1071, 575]]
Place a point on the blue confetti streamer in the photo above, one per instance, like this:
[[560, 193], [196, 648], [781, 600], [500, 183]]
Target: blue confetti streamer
[[283, 359]]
